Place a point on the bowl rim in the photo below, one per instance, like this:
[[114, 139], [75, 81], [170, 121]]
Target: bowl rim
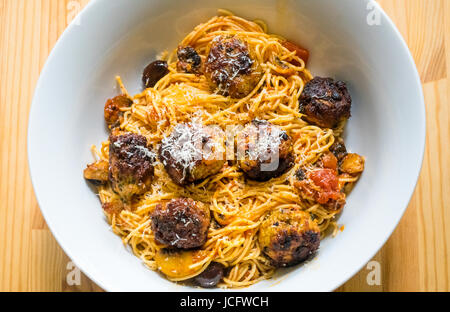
[[339, 282]]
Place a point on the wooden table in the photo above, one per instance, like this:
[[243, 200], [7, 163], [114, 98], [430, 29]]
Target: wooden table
[[416, 257]]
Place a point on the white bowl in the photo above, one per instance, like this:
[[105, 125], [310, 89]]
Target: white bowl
[[116, 37]]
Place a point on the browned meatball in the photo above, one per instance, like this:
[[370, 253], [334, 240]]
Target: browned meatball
[[131, 165], [325, 102], [192, 152], [113, 113], [264, 150], [289, 236], [230, 67], [97, 173], [188, 60], [181, 223]]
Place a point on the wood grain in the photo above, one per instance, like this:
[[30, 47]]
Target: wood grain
[[415, 258]]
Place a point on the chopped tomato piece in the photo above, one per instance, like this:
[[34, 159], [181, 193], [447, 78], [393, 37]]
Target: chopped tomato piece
[[352, 164], [299, 51], [329, 161], [328, 182]]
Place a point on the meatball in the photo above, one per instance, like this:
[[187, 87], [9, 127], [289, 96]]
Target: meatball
[[289, 236], [130, 165], [113, 112], [192, 152], [97, 173], [264, 151], [230, 68], [188, 60], [325, 102], [182, 223]]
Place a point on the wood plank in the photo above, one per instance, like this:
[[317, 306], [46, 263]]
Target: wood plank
[[422, 25], [415, 257], [434, 191]]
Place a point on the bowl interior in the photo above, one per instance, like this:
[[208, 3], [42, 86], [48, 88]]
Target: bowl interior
[[116, 37]]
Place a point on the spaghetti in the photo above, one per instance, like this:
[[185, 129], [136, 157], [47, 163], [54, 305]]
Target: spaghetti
[[238, 206]]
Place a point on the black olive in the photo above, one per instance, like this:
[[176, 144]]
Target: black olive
[[211, 276], [300, 174], [258, 122], [189, 60], [96, 182], [153, 72], [284, 136]]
